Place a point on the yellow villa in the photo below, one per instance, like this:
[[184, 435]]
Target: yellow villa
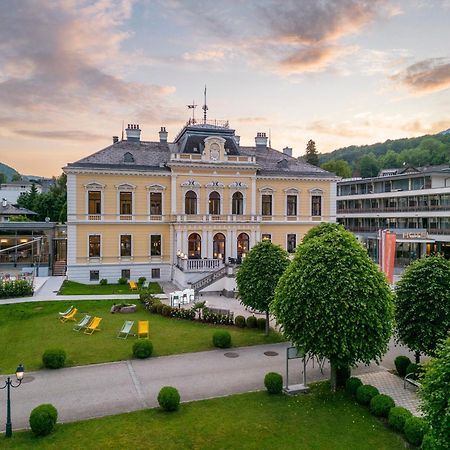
[[190, 209]]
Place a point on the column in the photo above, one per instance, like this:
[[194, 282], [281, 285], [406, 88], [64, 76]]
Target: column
[[173, 196], [253, 206], [228, 244], [210, 235]]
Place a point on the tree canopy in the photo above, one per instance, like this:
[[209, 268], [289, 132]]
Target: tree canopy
[[311, 156], [333, 302], [340, 167], [258, 275], [435, 395], [423, 304]]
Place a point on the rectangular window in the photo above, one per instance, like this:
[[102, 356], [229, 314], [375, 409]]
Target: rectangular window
[[267, 236], [316, 205], [94, 275], [156, 273], [291, 242], [126, 203], [125, 245], [94, 202], [155, 245], [266, 205], [94, 246], [291, 206], [155, 203], [125, 273]]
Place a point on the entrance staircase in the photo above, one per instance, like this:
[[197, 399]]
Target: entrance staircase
[[59, 269], [209, 279]]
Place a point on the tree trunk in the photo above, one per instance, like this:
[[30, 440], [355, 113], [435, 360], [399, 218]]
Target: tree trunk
[[417, 355], [267, 323], [333, 377]]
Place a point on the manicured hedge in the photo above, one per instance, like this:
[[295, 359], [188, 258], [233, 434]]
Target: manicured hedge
[[415, 429], [401, 364], [43, 419], [352, 384], [381, 404], [273, 382], [17, 288], [169, 398], [142, 349], [365, 393], [222, 339], [397, 418], [54, 358]]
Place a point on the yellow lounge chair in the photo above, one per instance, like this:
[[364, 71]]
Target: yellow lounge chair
[[93, 326], [133, 285], [70, 316], [143, 329]]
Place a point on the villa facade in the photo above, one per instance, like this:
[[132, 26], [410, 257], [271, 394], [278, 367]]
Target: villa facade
[[163, 209]]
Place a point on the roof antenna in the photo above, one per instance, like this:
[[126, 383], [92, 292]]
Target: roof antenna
[[205, 108], [270, 140], [192, 106], [122, 129]]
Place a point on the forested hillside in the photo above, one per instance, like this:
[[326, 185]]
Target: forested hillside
[[367, 160], [8, 173]]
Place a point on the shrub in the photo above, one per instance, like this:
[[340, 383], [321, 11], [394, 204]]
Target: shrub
[[381, 404], [182, 313], [154, 306], [17, 288], [122, 280], [397, 417], [169, 398], [141, 280], [251, 322], [239, 321], [220, 319], [54, 358], [415, 429], [142, 349], [166, 310], [222, 339], [103, 282], [430, 442], [401, 364], [365, 393], [273, 382], [159, 307], [414, 369], [261, 322], [43, 419], [352, 384]]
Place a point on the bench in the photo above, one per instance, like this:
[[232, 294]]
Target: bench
[[410, 379]]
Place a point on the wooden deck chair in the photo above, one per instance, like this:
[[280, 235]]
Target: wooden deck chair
[[67, 311], [82, 323], [133, 285], [126, 329], [70, 316], [143, 329], [93, 326]]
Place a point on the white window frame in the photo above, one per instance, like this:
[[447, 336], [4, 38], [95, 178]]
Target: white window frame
[[154, 257], [126, 258], [95, 258], [296, 242], [155, 189], [244, 201], [319, 193], [266, 191], [94, 186], [214, 186], [294, 192], [190, 185], [263, 236], [126, 187]]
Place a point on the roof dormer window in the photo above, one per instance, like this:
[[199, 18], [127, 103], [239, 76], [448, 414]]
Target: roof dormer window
[[128, 158]]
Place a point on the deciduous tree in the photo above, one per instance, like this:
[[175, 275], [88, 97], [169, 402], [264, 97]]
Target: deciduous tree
[[339, 166], [333, 302]]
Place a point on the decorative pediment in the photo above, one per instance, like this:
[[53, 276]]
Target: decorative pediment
[[94, 186], [237, 185], [214, 185], [267, 190], [291, 191], [155, 187], [125, 187], [316, 191], [191, 184]]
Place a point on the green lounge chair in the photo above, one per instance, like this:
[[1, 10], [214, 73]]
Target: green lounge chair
[[65, 312], [83, 323], [126, 329]]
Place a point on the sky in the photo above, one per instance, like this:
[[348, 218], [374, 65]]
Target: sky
[[340, 72]]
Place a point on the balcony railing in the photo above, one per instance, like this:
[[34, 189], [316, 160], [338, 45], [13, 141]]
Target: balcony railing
[[393, 209], [373, 229], [199, 265]]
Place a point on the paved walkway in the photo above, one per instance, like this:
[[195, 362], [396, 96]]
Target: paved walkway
[[392, 385]]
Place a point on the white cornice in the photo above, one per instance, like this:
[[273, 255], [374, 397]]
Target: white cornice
[[100, 171]]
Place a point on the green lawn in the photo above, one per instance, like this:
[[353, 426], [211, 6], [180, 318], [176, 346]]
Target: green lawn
[[316, 421], [28, 329], [73, 288]]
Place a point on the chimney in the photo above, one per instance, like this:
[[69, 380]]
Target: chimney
[[287, 151], [163, 135], [133, 132], [237, 139], [115, 139], [4, 202], [261, 140]]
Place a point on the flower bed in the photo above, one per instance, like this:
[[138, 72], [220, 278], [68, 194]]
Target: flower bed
[[16, 288]]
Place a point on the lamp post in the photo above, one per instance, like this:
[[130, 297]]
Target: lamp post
[[8, 384]]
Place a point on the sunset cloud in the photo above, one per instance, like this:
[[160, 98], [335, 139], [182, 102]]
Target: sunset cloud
[[429, 75]]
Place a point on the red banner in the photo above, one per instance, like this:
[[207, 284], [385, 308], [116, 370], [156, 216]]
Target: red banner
[[388, 254]]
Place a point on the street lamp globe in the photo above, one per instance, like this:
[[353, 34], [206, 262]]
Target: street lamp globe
[[20, 371]]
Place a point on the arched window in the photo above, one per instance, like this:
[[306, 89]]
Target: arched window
[[237, 203], [194, 246], [190, 203], [214, 203], [219, 246], [243, 242]]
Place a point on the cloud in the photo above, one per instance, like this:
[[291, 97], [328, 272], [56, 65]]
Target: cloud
[[429, 75], [70, 135], [204, 55], [343, 129]]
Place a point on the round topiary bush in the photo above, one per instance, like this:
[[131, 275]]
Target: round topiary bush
[[381, 404], [122, 281], [166, 310], [154, 306], [401, 364], [415, 429], [222, 339], [239, 321], [251, 322], [365, 393], [54, 358], [261, 322], [159, 307], [169, 398], [414, 369], [43, 419], [103, 282], [397, 418], [273, 382], [352, 384], [142, 349]]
